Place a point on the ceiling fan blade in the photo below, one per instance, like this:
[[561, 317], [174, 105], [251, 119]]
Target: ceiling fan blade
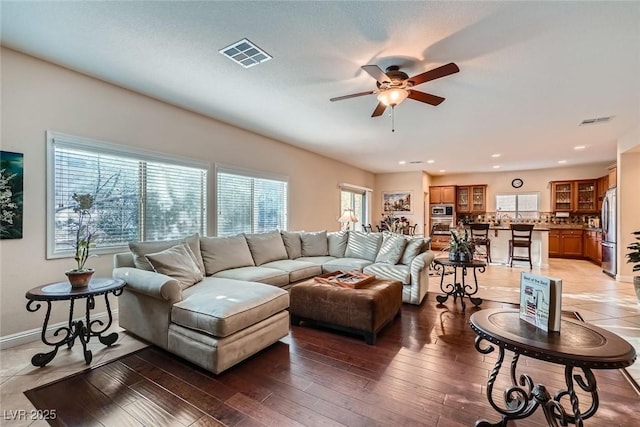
[[353, 95], [379, 110], [377, 73], [436, 73], [425, 97]]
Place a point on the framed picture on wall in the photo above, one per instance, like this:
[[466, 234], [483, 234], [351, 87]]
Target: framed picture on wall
[[399, 202], [11, 178]]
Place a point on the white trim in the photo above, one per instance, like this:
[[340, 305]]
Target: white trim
[[346, 186], [33, 335], [236, 170]]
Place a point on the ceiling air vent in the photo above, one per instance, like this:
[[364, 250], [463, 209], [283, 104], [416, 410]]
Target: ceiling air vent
[[416, 162], [595, 121], [245, 53]]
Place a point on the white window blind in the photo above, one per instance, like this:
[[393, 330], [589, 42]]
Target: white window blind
[[518, 206], [138, 196], [250, 203]]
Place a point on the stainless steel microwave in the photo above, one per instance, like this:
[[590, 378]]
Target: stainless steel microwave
[[441, 210]]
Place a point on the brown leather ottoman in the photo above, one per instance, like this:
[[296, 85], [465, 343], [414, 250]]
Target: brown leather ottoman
[[363, 311]]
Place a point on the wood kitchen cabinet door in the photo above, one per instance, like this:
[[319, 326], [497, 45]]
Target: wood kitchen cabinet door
[[572, 244], [478, 198], [463, 204], [562, 196], [444, 195], [555, 247], [586, 196]]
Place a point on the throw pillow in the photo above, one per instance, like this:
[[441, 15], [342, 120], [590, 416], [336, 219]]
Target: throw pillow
[[363, 245], [413, 248], [178, 262], [266, 247], [292, 243], [314, 243], [223, 253], [338, 243], [140, 249], [392, 248]]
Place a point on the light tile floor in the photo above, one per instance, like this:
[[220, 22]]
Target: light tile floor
[[598, 298]]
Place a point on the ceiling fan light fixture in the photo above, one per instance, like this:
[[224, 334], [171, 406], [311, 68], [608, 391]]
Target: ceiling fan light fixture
[[392, 97]]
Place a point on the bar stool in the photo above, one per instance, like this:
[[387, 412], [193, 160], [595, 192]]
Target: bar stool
[[480, 237], [520, 238]]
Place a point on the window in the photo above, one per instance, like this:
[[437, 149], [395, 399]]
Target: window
[[356, 199], [138, 195], [249, 202], [518, 206]]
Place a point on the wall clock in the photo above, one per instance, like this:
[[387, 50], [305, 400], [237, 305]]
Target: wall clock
[[517, 183]]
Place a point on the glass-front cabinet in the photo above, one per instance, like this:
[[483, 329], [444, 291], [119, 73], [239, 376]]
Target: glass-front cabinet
[[562, 196], [574, 196], [471, 198], [586, 195]]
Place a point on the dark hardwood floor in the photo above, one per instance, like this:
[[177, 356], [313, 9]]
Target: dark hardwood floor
[[424, 370]]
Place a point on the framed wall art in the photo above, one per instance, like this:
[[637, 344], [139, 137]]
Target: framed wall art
[[398, 202], [11, 182]]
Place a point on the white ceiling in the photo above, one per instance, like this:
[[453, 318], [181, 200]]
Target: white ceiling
[[530, 72]]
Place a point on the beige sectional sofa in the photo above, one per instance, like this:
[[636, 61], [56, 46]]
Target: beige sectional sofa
[[217, 300]]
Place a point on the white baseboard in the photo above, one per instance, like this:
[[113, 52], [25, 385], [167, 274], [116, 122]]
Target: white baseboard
[[32, 335]]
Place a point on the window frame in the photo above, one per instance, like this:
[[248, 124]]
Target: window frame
[[366, 206], [516, 195], [248, 173], [54, 139]]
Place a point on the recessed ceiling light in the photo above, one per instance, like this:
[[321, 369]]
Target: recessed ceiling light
[[245, 53], [579, 147], [442, 170], [562, 161], [431, 161], [496, 155], [402, 162], [496, 166]]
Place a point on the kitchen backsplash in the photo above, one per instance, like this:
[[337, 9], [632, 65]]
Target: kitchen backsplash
[[550, 218]]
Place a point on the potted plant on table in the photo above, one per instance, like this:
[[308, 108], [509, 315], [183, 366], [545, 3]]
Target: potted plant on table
[[633, 257], [80, 276], [460, 247]]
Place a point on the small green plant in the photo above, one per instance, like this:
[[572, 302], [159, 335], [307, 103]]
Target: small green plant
[[84, 234], [460, 243], [633, 257]]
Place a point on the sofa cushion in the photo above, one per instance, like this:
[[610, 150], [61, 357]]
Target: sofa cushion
[[319, 260], [397, 272], [392, 248], [270, 276], [363, 245], [415, 245], [345, 264], [140, 249], [292, 243], [178, 262], [314, 243], [337, 242], [266, 247], [238, 305], [223, 253], [298, 270]]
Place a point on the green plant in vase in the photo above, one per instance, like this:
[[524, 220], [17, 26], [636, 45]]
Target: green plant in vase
[[633, 257], [80, 276], [460, 247]]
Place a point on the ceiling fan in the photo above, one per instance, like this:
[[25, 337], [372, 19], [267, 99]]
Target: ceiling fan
[[394, 86]]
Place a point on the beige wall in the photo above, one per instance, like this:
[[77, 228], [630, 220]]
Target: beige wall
[[39, 96], [534, 181], [628, 201]]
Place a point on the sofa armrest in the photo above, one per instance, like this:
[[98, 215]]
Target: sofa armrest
[[419, 277], [150, 283]]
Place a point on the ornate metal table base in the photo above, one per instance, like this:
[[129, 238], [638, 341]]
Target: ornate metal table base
[[579, 347], [524, 397], [82, 330], [459, 289]]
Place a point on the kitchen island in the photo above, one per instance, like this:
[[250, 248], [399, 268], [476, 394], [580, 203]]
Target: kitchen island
[[500, 236]]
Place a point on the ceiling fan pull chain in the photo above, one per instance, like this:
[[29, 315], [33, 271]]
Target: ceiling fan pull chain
[[393, 118]]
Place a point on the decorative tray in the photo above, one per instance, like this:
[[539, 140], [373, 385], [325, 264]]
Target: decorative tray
[[350, 279]]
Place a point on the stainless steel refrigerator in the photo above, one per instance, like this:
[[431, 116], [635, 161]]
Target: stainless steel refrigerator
[[608, 225]]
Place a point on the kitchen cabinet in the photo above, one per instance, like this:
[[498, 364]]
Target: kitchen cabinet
[[566, 243], [442, 195], [593, 246], [613, 176], [574, 196], [471, 199], [603, 186]]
